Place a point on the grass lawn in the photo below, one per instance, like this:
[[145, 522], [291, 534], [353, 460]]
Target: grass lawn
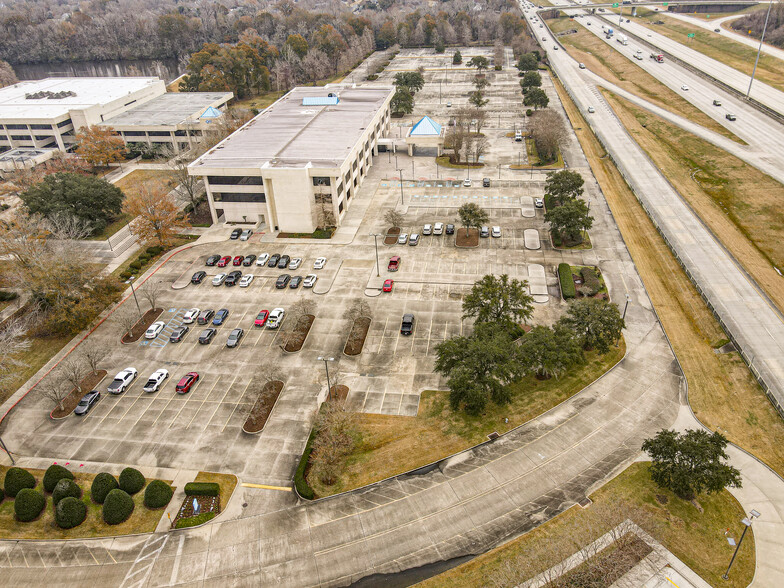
[[722, 392], [587, 48], [143, 520], [390, 445], [697, 538]]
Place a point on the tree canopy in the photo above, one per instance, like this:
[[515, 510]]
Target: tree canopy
[[596, 323], [499, 299]]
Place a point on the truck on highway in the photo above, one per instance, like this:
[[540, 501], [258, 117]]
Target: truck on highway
[[623, 39], [657, 57]]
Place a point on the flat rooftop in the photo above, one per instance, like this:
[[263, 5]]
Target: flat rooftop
[[77, 94], [169, 110], [288, 134]]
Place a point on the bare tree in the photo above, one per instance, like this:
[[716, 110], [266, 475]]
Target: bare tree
[[393, 218], [93, 353], [72, 369], [150, 291], [56, 389]]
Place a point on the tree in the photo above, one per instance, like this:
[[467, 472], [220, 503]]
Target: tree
[[394, 218], [548, 352], [500, 300], [570, 220], [89, 198], [402, 102], [157, 218], [100, 145], [480, 62], [537, 98], [477, 99], [564, 185], [413, 81], [528, 62], [531, 79], [596, 323], [691, 462], [548, 132], [457, 58], [472, 216], [150, 291]]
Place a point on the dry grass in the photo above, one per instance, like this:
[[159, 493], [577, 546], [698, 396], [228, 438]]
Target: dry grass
[[722, 392], [389, 445], [697, 538], [604, 61]]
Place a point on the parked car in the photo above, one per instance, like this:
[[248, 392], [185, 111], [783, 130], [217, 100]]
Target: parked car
[[154, 330], [310, 281], [234, 337], [198, 277], [220, 317], [249, 259], [232, 278], [484, 232], [387, 287], [178, 334], [87, 402], [238, 259], [261, 318], [156, 380], [402, 239], [205, 316], [413, 240], [320, 263], [539, 203], [438, 228], [496, 232], [122, 380], [246, 280], [485, 182], [262, 259], [275, 318], [467, 183], [273, 260], [190, 316], [295, 282], [212, 260], [283, 262], [282, 281], [450, 229], [205, 337], [187, 382], [246, 234], [224, 261], [394, 263], [407, 324], [295, 263], [218, 280], [235, 234], [427, 230]]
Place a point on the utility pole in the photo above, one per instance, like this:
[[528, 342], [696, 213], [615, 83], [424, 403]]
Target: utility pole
[[759, 50]]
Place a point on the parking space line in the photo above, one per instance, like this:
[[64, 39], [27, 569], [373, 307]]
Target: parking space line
[[236, 405], [202, 403]]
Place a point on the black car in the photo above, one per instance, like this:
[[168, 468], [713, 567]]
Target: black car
[[235, 234], [295, 282], [282, 281], [207, 335], [283, 262], [87, 402], [450, 229], [220, 316], [198, 277], [212, 260], [234, 337], [205, 316], [249, 259], [232, 278], [273, 260], [178, 334], [407, 325]]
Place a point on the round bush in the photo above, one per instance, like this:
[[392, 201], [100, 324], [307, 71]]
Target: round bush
[[28, 504], [55, 473], [131, 480], [117, 507], [70, 512], [103, 483], [64, 489], [16, 479], [157, 494]]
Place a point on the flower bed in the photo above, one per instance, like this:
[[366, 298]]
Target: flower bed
[[357, 335], [141, 325], [263, 406], [87, 384]]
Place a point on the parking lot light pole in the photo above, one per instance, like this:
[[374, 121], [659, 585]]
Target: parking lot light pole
[[326, 361], [130, 281], [375, 242], [747, 522], [628, 300]]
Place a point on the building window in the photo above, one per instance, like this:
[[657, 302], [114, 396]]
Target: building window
[[64, 123], [238, 197], [41, 127], [236, 180], [321, 181]]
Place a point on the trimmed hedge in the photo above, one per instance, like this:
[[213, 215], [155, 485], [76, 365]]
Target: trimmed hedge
[[117, 507], [131, 480], [55, 473], [202, 489], [65, 488], [567, 283], [157, 494], [70, 512], [195, 520], [302, 486], [16, 479], [590, 280], [103, 483], [28, 504]]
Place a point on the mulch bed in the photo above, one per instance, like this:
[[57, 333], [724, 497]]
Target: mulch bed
[[391, 237], [142, 325], [339, 393], [470, 240], [356, 338], [296, 342], [261, 410], [87, 384], [207, 504]]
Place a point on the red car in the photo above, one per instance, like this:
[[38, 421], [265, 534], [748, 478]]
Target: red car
[[187, 382], [394, 264], [388, 285], [238, 260], [224, 261], [261, 318]]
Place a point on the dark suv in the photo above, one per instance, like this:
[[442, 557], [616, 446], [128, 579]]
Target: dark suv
[[407, 325]]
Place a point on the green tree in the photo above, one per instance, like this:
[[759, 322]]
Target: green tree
[[564, 185], [477, 99], [691, 462], [531, 79], [413, 81], [549, 352], [457, 58], [537, 98], [596, 323], [298, 45], [472, 216], [88, 198], [498, 299], [570, 220], [480, 62], [528, 62], [402, 102]]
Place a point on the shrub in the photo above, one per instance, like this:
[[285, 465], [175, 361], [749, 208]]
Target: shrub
[[157, 494], [28, 504], [117, 507], [202, 489], [590, 280], [103, 483], [16, 479], [131, 480], [195, 520], [64, 489], [567, 283], [55, 473], [70, 512], [300, 483]]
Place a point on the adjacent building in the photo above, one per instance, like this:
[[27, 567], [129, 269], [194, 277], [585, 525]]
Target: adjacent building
[[297, 165]]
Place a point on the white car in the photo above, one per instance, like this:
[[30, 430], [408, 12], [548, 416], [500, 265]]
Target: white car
[[295, 262], [275, 318], [122, 381], [218, 280], [262, 259], [591, 109], [685, 88], [320, 263], [246, 280], [496, 232], [156, 380], [154, 330], [191, 316], [310, 281], [467, 183], [402, 239]]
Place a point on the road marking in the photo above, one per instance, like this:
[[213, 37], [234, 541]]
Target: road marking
[[266, 487], [202, 403]]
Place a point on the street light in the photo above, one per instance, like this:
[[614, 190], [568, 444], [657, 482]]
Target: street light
[[375, 242], [628, 300], [400, 171], [326, 361], [747, 522], [130, 281]]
